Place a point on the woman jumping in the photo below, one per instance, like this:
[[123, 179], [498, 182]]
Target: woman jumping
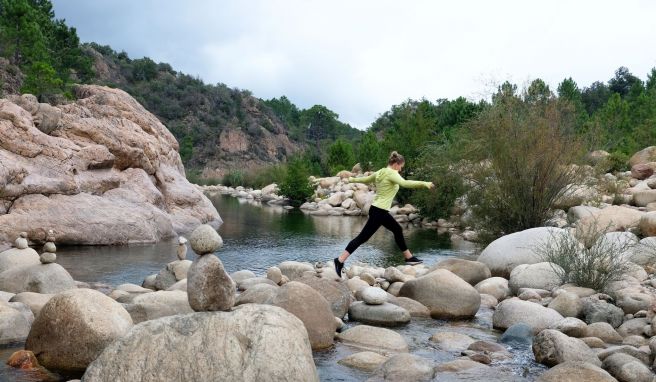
[[387, 182]]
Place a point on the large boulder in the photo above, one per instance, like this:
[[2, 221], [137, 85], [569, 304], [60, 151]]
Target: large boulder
[[536, 276], [172, 273], [14, 327], [613, 218], [14, 258], [513, 311], [257, 294], [311, 308], [209, 287], [567, 304], [552, 347], [250, 343], [337, 293], [642, 198], [576, 371], [507, 252], [40, 278], [119, 176], [628, 369], [405, 368], [74, 327], [471, 271], [35, 301], [365, 360], [596, 310], [645, 155], [444, 293], [648, 224]]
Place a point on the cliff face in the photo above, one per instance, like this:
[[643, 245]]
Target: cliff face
[[228, 129], [101, 170]]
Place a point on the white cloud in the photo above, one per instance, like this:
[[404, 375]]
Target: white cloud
[[360, 57]]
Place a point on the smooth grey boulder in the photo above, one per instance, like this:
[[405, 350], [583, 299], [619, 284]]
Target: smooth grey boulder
[[405, 368], [35, 301], [520, 333], [294, 269], [40, 278], [14, 326], [494, 286], [514, 311], [15, 257], [250, 343], [257, 294], [204, 239], [150, 306], [373, 338], [366, 360], [471, 271], [242, 275], [576, 371], [385, 314], [541, 275], [337, 293], [627, 369], [209, 287], [596, 310]]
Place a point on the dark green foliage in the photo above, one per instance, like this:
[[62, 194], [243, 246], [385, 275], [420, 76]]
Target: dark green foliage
[[340, 156], [41, 79], [618, 161], [623, 81], [369, 153], [233, 179], [296, 186]]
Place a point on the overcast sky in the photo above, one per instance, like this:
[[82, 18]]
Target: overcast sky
[[360, 57]]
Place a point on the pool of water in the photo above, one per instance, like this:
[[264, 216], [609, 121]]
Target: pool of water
[[257, 237]]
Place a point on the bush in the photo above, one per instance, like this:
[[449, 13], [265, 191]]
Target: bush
[[588, 258], [194, 176], [296, 186], [520, 157], [233, 178], [264, 176], [618, 161]]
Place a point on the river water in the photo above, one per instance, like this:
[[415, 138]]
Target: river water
[[257, 237]]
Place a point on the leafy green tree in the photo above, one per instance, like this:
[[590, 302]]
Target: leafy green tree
[[144, 69], [340, 156], [538, 92], [296, 185], [595, 96], [369, 152], [623, 81], [41, 79], [186, 148], [569, 90], [21, 38]]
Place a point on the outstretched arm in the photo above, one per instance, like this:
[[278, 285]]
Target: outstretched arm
[[364, 179], [398, 179]]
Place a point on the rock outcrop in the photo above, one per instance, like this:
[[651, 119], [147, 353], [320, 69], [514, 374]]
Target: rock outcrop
[[101, 170]]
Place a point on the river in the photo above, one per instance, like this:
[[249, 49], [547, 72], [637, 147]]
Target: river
[[257, 237]]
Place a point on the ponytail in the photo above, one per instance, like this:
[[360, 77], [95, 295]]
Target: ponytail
[[395, 158]]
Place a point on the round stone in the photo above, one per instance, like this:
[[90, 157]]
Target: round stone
[[274, 274], [373, 296], [47, 258], [21, 243], [205, 239], [50, 247]]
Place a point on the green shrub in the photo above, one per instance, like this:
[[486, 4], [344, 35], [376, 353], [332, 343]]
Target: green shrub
[[296, 186], [233, 178], [588, 258], [194, 176], [618, 161]]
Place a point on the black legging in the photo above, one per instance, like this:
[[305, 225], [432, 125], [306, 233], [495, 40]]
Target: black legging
[[378, 217]]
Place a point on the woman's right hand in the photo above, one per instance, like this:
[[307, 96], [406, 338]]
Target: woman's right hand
[[431, 186]]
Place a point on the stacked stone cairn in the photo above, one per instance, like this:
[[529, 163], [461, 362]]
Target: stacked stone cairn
[[182, 248], [209, 287], [48, 256]]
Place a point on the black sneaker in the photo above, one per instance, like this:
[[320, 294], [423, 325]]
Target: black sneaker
[[413, 261], [338, 266]]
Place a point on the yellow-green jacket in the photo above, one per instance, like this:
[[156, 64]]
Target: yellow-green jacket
[[387, 183]]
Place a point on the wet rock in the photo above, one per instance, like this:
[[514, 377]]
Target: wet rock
[[204, 239], [23, 359], [460, 365], [494, 286], [209, 287], [520, 333], [507, 252], [311, 308], [575, 371], [405, 368], [445, 294], [248, 349], [513, 311], [385, 314], [452, 341], [627, 369], [552, 347], [86, 321], [373, 338], [40, 278], [366, 360], [471, 271]]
